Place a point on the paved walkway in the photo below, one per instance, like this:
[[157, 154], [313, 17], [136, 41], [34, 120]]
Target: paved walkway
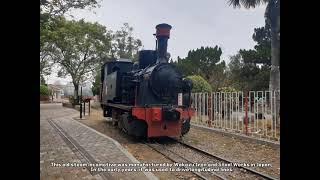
[[70, 150]]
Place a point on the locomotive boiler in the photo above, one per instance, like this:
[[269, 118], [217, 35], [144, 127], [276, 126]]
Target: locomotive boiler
[[149, 98]]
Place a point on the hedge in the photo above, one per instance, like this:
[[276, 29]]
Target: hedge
[[199, 84], [44, 91]]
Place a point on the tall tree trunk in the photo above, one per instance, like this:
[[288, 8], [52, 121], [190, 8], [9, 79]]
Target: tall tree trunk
[[275, 62], [76, 92], [274, 84]]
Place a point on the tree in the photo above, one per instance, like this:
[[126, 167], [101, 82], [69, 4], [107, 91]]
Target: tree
[[124, 44], [261, 54], [199, 84], [185, 66], [45, 67], [262, 36], [235, 67], [205, 62], [42, 80], [46, 48], [245, 75], [60, 7], [79, 48], [45, 56], [50, 12], [272, 17], [96, 84], [218, 76], [250, 69]]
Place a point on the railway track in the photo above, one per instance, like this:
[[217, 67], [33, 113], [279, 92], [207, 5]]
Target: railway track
[[176, 158], [181, 152], [79, 151]]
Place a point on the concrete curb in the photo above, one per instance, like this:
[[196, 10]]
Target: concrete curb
[[230, 134], [149, 175]]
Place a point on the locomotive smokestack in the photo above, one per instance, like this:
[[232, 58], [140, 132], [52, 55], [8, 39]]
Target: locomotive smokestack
[[162, 35]]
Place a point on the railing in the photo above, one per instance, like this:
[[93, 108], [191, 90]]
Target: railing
[[253, 113]]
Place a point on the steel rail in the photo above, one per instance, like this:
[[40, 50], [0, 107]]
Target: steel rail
[[223, 159], [172, 159]]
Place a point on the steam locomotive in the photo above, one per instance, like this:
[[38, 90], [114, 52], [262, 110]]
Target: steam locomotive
[[149, 98]]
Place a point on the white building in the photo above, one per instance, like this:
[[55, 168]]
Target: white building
[[69, 89], [56, 92]]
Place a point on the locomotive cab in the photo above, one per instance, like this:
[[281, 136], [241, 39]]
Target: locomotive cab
[[112, 74]]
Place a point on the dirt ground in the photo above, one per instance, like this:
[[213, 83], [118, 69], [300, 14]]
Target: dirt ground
[[234, 149], [237, 150]]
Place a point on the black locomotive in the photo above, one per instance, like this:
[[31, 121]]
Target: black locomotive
[[149, 98]]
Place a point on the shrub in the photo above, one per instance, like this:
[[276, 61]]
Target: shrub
[[199, 84], [72, 100], [44, 91]]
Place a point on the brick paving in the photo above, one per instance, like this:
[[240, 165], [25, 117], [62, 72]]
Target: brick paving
[[65, 140]]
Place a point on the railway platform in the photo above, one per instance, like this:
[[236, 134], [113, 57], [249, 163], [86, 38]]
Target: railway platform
[[72, 150]]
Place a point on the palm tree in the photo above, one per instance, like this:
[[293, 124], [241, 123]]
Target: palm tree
[[272, 17]]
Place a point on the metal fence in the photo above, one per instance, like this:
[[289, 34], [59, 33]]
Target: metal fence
[[252, 113]]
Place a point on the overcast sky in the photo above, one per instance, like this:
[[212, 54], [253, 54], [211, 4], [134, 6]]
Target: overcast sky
[[194, 23]]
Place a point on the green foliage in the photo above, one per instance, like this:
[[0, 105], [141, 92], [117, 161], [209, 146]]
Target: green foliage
[[247, 76], [60, 7], [227, 89], [50, 13], [200, 61], [250, 69], [44, 90], [205, 62], [246, 3], [261, 54], [96, 84], [124, 45], [46, 46], [79, 47], [199, 84], [42, 80], [266, 37]]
